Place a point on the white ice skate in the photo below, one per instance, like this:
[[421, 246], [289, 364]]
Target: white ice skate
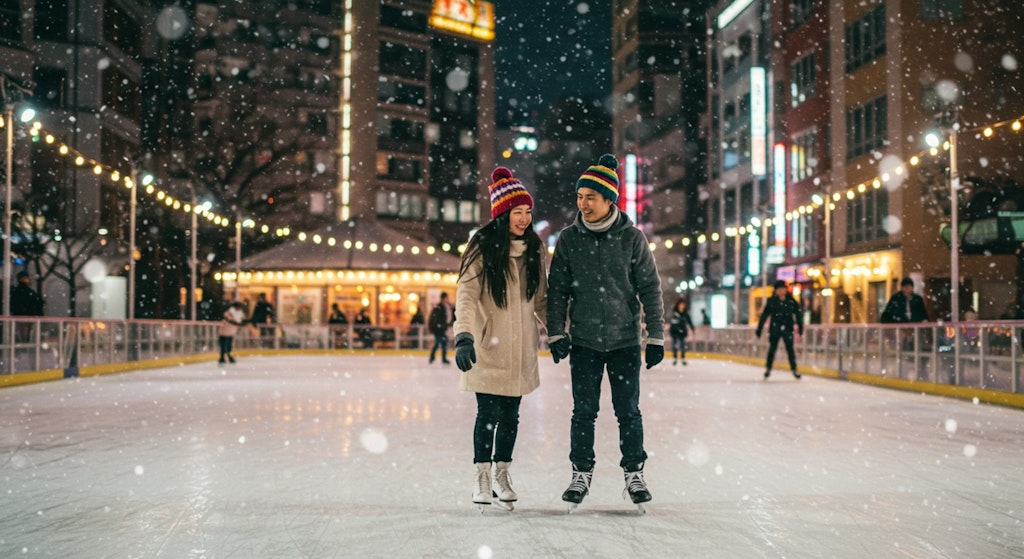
[[482, 493], [505, 495]]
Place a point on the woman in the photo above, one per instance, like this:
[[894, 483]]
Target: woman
[[501, 300], [232, 318], [680, 326]]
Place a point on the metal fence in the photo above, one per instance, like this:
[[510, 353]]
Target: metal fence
[[984, 355], [41, 344]]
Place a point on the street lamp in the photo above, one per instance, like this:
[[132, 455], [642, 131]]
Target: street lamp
[[26, 115], [826, 202], [147, 180], [933, 141]]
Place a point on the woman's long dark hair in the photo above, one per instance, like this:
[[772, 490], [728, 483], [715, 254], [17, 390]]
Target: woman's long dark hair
[[491, 243]]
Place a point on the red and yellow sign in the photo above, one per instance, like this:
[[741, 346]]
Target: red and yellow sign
[[464, 17]]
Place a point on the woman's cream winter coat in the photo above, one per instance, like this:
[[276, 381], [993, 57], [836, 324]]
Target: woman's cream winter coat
[[506, 339]]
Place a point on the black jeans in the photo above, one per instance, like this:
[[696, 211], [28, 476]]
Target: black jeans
[[773, 344], [587, 367], [497, 426], [440, 341], [226, 344], [679, 346]]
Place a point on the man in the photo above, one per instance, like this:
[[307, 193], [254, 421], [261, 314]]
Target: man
[[905, 305], [25, 302], [603, 276], [441, 318], [263, 317], [784, 312]]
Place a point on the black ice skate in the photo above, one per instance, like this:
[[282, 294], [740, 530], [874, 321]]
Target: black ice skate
[[579, 487], [636, 487]]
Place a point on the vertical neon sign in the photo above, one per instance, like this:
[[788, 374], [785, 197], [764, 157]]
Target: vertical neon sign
[[779, 192]]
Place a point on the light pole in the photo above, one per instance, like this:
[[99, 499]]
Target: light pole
[[954, 219], [954, 238], [9, 125], [826, 202], [238, 254], [736, 273], [26, 115], [192, 260]]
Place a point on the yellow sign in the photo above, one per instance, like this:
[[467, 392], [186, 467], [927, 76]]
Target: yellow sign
[[465, 17]]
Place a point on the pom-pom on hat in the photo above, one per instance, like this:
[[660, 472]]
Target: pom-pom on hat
[[507, 192], [602, 177]]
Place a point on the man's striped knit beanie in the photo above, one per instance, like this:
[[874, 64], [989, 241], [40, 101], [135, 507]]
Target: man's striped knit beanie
[[602, 177]]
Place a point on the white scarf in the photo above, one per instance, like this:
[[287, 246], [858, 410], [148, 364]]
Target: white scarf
[[605, 223]]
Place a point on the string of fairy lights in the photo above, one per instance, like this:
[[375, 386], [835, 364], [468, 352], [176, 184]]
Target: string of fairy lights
[[205, 210]]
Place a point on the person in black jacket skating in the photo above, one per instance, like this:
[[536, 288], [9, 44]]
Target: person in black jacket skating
[[784, 312], [680, 326]]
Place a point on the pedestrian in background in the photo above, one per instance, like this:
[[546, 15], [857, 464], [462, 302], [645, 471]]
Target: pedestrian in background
[[441, 318], [25, 301], [680, 325], [263, 317], [233, 317], [502, 300], [905, 305], [605, 282], [338, 323], [364, 329], [784, 313]]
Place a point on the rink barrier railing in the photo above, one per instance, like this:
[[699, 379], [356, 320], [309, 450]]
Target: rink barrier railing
[[957, 359], [971, 360]]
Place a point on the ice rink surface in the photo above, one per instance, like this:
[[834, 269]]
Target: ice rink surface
[[370, 456]]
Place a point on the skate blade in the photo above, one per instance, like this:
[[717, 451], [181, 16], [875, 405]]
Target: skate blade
[[507, 505], [640, 508]]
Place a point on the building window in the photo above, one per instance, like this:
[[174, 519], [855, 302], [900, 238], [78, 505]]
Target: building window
[[802, 78], [803, 236], [865, 39], [934, 10], [803, 155], [121, 30], [864, 215], [403, 61], [401, 205], [10, 21], [866, 128], [51, 87], [799, 12], [402, 18], [50, 21], [389, 91], [399, 169]]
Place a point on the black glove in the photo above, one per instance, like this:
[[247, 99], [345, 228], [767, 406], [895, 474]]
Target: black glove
[[758, 333], [800, 330], [654, 354], [465, 354], [560, 349]]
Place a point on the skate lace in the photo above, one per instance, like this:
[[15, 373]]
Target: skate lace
[[635, 482], [503, 479], [580, 482], [483, 482]]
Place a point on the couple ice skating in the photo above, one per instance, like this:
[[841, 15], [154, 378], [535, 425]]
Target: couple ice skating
[[602, 276]]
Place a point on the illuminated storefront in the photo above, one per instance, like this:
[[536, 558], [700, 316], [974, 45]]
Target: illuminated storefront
[[365, 266]]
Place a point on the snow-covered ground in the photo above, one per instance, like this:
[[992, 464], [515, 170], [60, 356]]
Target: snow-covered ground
[[370, 456]]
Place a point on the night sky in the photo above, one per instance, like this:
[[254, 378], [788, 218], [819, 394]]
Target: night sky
[[548, 49]]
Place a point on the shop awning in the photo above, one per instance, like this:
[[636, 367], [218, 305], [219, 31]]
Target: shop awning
[[363, 244]]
